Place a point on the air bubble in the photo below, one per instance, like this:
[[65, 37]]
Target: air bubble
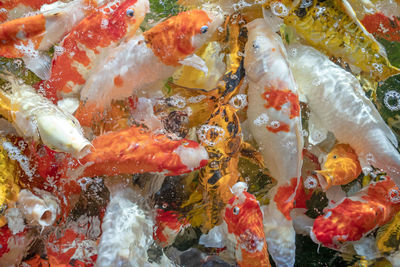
[[210, 134], [239, 101], [261, 120], [394, 195], [279, 9], [392, 100], [310, 182]]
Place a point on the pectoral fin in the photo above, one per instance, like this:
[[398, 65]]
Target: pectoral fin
[[195, 62]]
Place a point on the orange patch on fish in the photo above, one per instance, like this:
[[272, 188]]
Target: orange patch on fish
[[277, 98], [24, 32], [118, 81], [281, 127], [359, 214], [171, 40], [341, 167], [244, 220]]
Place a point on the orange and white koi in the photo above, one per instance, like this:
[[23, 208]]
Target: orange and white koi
[[88, 42], [355, 216], [340, 106], [244, 220], [274, 113], [168, 224], [151, 57], [137, 150], [340, 167]]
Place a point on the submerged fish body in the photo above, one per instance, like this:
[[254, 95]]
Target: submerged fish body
[[340, 167], [332, 27], [244, 220], [388, 237], [355, 216], [88, 42], [151, 57], [274, 115], [137, 150], [36, 117], [337, 100]]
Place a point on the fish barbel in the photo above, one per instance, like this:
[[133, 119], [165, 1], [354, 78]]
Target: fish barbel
[[331, 26], [151, 57], [340, 167], [88, 42], [244, 220], [355, 216], [340, 106], [274, 115]]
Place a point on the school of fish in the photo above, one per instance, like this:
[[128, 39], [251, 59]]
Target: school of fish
[[212, 133]]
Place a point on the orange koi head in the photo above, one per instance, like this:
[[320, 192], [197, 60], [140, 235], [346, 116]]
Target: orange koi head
[[178, 37], [341, 167], [244, 220]]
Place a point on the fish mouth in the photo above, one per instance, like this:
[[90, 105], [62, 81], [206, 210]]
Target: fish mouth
[[251, 242]]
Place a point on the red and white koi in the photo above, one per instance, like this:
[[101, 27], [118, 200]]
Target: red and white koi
[[26, 37], [244, 220], [168, 224], [356, 216], [339, 105], [274, 113], [151, 57], [88, 42]]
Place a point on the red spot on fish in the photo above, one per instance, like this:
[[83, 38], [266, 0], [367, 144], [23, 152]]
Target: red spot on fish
[[281, 127], [277, 98], [382, 26], [118, 81], [167, 226]]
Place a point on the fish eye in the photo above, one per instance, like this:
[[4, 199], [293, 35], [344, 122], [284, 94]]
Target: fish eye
[[334, 156], [255, 45], [130, 12], [236, 210], [204, 29]]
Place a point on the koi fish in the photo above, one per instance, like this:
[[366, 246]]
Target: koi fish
[[338, 102], [388, 237], [244, 221], [340, 167], [274, 113], [355, 216], [36, 117], [12, 9], [9, 187], [137, 150], [382, 26], [88, 42], [168, 225], [331, 26], [151, 57]]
